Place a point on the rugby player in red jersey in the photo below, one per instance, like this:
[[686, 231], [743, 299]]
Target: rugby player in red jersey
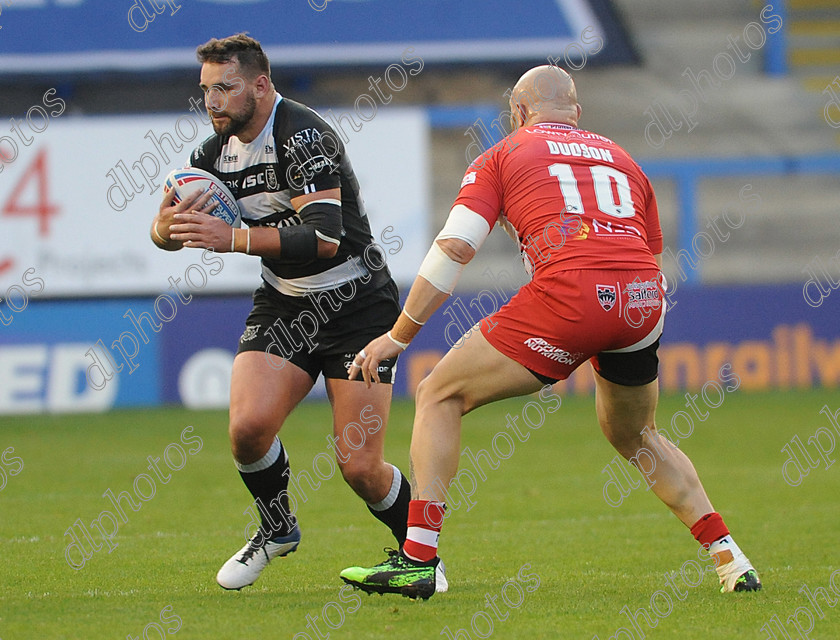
[[587, 221]]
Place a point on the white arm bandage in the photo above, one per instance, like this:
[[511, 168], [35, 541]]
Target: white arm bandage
[[464, 224], [439, 269]]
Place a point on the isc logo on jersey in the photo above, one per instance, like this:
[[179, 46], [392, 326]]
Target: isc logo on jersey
[[188, 181], [268, 178], [252, 181]]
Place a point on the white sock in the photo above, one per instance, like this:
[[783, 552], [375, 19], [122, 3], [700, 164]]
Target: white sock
[[388, 501], [726, 551]]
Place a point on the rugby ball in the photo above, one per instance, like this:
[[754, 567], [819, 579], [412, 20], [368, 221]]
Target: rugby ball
[[190, 180]]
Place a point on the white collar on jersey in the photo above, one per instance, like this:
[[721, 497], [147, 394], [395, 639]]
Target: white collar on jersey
[[554, 124]]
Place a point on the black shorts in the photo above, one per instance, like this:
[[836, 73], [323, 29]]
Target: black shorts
[[321, 334], [632, 369]]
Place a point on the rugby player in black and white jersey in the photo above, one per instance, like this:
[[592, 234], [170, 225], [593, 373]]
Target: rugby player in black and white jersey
[[326, 292]]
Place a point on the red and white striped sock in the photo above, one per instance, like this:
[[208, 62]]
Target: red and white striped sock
[[425, 518]]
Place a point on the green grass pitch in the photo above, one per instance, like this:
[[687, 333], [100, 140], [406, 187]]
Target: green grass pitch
[[540, 517]]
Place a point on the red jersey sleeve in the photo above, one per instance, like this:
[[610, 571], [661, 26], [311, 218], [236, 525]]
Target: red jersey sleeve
[[481, 188]]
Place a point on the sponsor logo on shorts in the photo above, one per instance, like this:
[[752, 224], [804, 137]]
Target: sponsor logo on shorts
[[606, 296], [643, 294], [251, 332], [551, 352], [380, 368]]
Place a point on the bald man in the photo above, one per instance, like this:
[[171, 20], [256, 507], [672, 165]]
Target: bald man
[[587, 222]]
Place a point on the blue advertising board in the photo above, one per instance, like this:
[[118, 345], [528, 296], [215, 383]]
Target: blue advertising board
[[198, 348], [51, 349], [88, 35], [96, 355], [770, 335]]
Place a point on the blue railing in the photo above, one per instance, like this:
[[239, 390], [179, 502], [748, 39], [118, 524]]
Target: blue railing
[[688, 172], [775, 49]]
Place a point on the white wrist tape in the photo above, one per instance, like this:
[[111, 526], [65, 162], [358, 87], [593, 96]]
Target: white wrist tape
[[157, 233], [440, 270], [401, 345], [410, 317]]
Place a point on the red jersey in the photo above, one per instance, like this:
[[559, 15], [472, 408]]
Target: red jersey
[[576, 199]]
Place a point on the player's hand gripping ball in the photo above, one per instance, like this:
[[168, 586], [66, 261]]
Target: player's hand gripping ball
[[188, 181]]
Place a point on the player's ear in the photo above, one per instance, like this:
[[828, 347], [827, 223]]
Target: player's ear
[[518, 115], [262, 85]]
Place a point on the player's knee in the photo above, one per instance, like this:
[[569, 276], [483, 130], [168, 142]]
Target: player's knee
[[250, 438], [627, 442], [430, 392], [361, 479], [423, 392]]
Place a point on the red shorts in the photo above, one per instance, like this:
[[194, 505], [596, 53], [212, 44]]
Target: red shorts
[[555, 323]]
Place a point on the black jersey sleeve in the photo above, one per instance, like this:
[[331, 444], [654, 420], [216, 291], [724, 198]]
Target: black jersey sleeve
[[313, 153]]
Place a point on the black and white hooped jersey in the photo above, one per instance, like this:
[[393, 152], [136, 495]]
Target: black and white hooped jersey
[[296, 153]]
